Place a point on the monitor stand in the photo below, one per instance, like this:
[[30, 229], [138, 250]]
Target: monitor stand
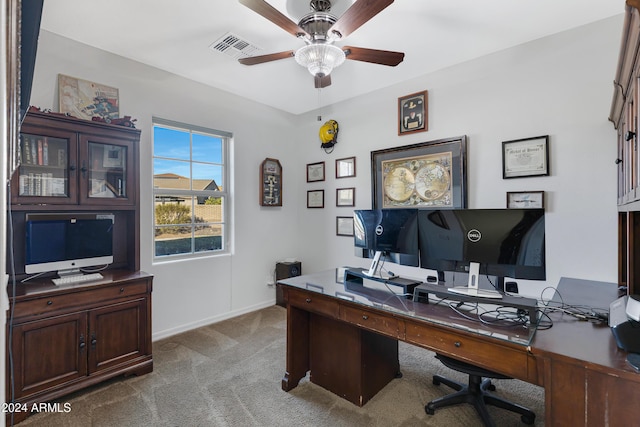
[[472, 286], [375, 267]]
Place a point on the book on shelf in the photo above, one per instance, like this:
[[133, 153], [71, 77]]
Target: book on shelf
[[26, 150], [41, 184], [34, 151], [45, 153]]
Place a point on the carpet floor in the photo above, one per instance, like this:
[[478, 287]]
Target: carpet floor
[[229, 374]]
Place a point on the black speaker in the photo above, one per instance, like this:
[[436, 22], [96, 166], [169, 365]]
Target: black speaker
[[284, 270]]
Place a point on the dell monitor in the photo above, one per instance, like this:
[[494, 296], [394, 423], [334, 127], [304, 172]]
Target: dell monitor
[[496, 242], [67, 243], [392, 233]]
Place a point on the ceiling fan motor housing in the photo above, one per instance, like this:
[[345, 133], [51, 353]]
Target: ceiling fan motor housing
[[317, 25]]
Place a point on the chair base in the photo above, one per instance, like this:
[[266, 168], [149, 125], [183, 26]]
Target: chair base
[[476, 393]]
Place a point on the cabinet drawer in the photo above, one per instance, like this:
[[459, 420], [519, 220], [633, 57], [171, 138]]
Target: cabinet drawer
[[316, 303], [502, 359], [82, 298], [385, 325]]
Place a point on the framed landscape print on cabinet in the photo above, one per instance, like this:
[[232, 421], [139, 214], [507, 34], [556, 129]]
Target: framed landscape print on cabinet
[[430, 174], [85, 99], [270, 183]]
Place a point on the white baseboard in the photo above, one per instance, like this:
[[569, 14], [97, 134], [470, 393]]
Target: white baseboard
[[156, 336]]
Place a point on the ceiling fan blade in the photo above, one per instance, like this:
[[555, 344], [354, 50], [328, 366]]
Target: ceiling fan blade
[[375, 56], [269, 12], [321, 82], [359, 13], [253, 60]]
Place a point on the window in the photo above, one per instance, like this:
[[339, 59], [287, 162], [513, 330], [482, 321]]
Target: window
[[190, 189]]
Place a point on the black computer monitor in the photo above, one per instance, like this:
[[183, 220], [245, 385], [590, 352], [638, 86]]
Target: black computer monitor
[[390, 234], [496, 242]]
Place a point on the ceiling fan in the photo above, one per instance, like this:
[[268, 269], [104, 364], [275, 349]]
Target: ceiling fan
[[319, 30]]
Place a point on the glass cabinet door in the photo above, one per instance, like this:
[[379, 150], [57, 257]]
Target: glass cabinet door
[[107, 171], [47, 169], [106, 174]]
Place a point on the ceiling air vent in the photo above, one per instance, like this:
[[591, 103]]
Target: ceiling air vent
[[234, 46]]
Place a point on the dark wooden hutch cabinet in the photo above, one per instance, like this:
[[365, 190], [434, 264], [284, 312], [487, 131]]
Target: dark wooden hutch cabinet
[[67, 337], [624, 115]]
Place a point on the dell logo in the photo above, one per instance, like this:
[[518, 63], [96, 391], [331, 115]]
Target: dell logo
[[474, 235], [379, 230]]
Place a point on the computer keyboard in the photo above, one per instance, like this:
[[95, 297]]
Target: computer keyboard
[[64, 280]]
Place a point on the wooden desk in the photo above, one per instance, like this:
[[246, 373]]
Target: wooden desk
[[347, 337]]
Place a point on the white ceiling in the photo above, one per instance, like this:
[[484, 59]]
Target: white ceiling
[[175, 35]]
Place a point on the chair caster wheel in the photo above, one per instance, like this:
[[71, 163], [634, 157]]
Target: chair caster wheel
[[528, 420], [491, 387], [429, 410]]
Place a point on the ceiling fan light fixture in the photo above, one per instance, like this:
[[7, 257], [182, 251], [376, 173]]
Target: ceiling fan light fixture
[[320, 58]]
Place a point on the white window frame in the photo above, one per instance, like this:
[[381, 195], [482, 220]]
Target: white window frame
[[224, 193]]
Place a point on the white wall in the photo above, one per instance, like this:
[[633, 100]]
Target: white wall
[[191, 293], [559, 86]]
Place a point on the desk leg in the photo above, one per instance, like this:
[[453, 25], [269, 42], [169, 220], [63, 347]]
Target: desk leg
[[297, 347]]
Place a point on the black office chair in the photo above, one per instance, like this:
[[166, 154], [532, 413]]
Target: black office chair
[[476, 392]]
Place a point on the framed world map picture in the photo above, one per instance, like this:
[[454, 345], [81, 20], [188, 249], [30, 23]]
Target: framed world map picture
[[429, 174]]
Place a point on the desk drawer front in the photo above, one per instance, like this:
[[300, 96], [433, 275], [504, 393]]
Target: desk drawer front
[[506, 360], [386, 325], [316, 303], [83, 298]]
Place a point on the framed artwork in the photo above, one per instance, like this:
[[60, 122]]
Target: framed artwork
[[525, 157], [270, 183], [429, 174], [315, 199], [344, 226], [315, 172], [412, 113], [525, 199], [346, 168], [346, 196], [84, 99]]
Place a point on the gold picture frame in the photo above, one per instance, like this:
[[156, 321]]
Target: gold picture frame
[[429, 174]]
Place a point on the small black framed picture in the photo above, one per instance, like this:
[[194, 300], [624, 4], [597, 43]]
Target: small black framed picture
[[315, 199], [346, 196], [315, 172], [525, 157]]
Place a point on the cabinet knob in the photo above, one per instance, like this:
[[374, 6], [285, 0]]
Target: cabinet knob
[[94, 341], [82, 343], [365, 317], [49, 302], [457, 343], [121, 290], [308, 300], [72, 167]]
